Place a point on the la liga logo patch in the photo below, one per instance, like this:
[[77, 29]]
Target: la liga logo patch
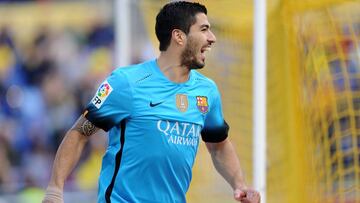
[[102, 93], [202, 104], [104, 90]]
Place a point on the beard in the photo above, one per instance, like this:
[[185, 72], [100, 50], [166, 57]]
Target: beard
[[188, 56]]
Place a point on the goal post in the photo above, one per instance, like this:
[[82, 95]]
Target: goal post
[[259, 101]]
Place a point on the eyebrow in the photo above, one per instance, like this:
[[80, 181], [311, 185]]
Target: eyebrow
[[205, 26]]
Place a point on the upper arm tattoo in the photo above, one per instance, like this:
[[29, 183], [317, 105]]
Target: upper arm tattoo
[[85, 127]]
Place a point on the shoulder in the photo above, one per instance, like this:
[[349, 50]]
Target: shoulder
[[133, 73], [208, 87], [204, 81]]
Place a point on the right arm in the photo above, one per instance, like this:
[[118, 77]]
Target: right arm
[[67, 157], [109, 106]]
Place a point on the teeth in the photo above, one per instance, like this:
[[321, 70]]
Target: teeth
[[207, 49]]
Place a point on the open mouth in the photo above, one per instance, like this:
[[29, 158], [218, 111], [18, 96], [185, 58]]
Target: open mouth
[[204, 50]]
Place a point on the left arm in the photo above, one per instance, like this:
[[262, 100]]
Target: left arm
[[226, 162], [223, 154]]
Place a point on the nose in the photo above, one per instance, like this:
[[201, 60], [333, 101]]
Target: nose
[[211, 37]]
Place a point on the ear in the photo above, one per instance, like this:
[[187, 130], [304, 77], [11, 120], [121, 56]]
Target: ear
[[178, 36]]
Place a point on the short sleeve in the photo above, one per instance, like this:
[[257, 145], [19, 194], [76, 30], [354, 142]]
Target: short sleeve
[[111, 102], [215, 127]]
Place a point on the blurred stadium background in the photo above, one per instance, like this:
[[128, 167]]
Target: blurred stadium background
[[53, 54]]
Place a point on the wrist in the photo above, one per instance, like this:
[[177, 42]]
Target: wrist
[[239, 181], [54, 189], [53, 194], [240, 185], [56, 184]]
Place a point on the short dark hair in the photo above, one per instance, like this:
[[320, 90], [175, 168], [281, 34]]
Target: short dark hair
[[176, 15]]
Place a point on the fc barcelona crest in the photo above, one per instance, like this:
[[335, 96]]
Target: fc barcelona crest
[[202, 104]]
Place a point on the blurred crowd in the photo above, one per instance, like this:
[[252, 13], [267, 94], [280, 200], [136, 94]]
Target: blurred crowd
[[44, 86]]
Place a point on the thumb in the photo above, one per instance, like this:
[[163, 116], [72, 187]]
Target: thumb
[[239, 194]]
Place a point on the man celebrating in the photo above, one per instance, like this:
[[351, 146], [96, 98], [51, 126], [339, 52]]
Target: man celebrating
[[155, 113]]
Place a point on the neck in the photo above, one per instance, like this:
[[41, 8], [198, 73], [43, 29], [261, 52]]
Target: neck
[[171, 67]]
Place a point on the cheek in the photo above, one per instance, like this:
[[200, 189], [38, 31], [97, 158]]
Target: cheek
[[191, 48], [195, 47], [195, 42]]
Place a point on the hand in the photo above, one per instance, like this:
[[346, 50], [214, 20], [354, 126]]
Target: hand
[[246, 195], [53, 195]]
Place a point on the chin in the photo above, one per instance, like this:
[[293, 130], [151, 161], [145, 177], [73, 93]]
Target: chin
[[198, 65], [201, 64]]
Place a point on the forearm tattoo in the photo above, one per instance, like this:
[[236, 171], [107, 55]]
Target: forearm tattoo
[[85, 127]]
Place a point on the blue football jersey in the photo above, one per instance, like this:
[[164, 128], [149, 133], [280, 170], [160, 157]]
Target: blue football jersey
[[154, 127]]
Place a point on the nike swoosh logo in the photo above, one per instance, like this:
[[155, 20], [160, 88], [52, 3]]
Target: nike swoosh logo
[[155, 104]]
